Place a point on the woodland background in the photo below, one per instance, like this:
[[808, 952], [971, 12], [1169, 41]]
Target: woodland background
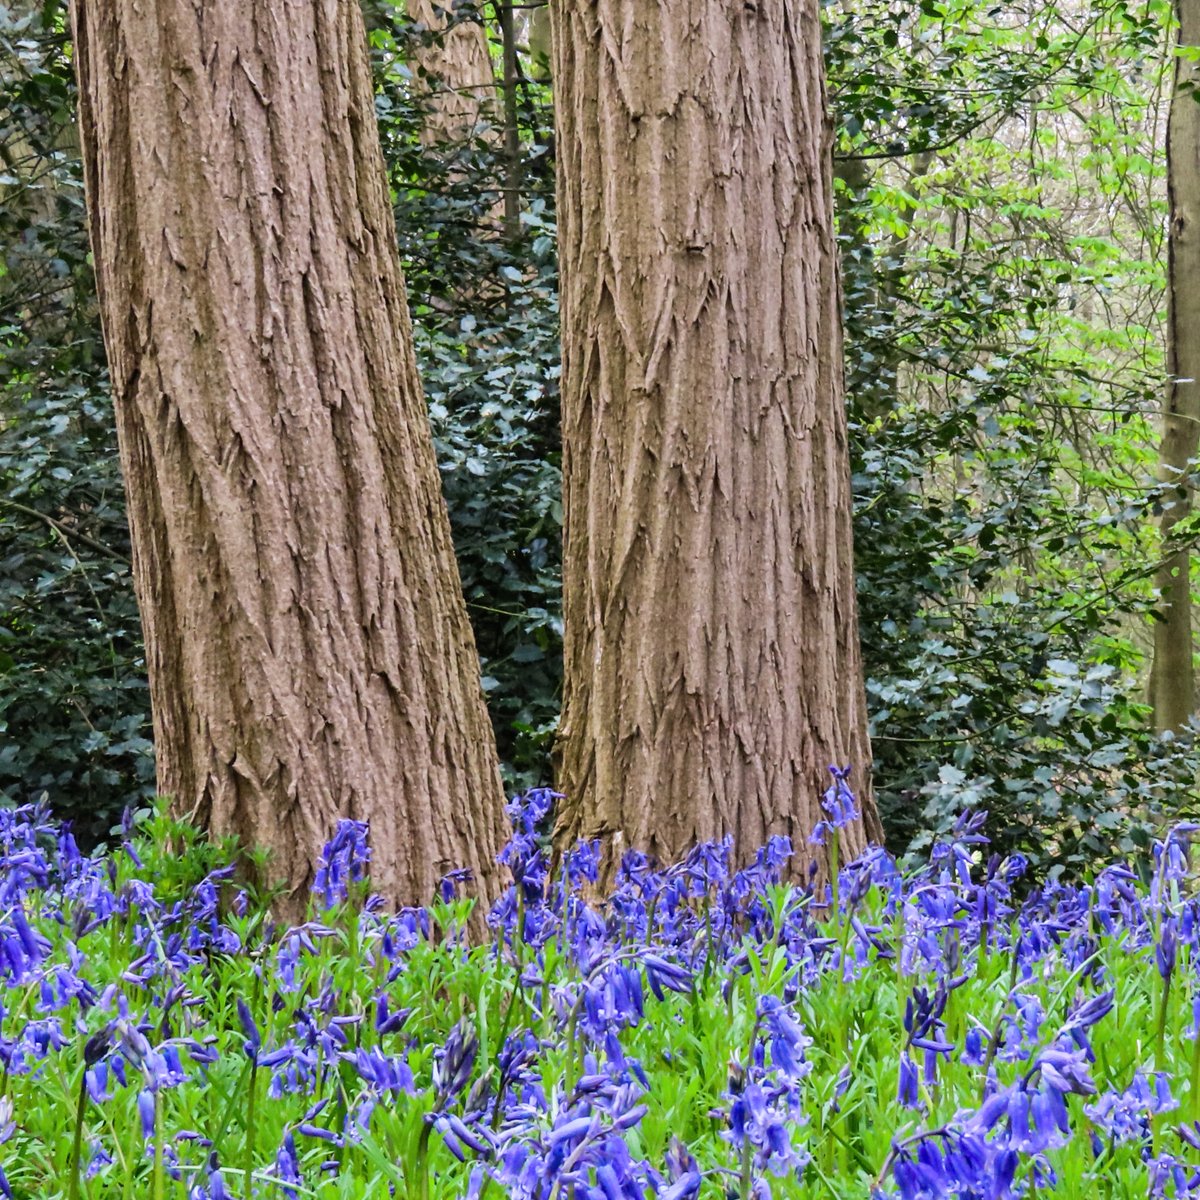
[[1001, 201]]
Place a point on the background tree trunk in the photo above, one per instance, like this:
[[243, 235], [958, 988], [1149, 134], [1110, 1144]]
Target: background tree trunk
[[713, 669], [1172, 680], [512, 135], [455, 71], [307, 643]]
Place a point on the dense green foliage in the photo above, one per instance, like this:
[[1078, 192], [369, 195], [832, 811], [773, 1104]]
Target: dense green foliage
[[1000, 202], [485, 311], [73, 700], [1004, 371]]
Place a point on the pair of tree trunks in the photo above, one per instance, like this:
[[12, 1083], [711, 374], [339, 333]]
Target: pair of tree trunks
[[1172, 680], [307, 642]]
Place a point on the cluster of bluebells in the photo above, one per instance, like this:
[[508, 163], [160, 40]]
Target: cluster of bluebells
[[703, 1029]]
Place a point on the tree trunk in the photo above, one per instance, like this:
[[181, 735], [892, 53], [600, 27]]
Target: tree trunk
[[512, 134], [1172, 680], [307, 642], [713, 669], [455, 71]]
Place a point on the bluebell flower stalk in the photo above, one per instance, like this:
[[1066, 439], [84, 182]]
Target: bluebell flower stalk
[[841, 809], [251, 1046], [1165, 953]]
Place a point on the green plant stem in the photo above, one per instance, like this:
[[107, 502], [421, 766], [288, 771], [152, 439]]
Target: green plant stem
[[744, 1181], [506, 1020], [422, 1163], [77, 1144], [1194, 1094], [569, 1079], [160, 1180], [833, 877], [1160, 1035], [994, 1032], [133, 1148], [248, 1158]]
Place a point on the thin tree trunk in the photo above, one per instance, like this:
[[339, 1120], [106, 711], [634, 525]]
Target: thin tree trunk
[[1172, 681], [512, 135], [307, 642], [455, 71], [713, 670]]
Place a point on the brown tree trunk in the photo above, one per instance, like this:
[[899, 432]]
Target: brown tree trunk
[[455, 71], [512, 134], [713, 669], [307, 643], [1172, 680]]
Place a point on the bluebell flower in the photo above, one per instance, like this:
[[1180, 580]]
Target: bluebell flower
[[319, 1132], [1171, 861], [343, 861], [1091, 1011], [757, 1120], [838, 800], [216, 1189], [975, 1042], [287, 1167], [146, 1112], [449, 883], [785, 1038], [582, 864], [907, 1092], [455, 1062], [1168, 1176], [707, 865], [253, 1042], [96, 1047], [98, 1159], [294, 1069], [386, 1021], [458, 1138], [382, 1072], [1166, 947]]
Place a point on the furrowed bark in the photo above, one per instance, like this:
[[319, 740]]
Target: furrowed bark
[[713, 670], [307, 642]]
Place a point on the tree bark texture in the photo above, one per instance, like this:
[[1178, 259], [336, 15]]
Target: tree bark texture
[[1172, 681], [307, 642], [713, 669], [454, 70]]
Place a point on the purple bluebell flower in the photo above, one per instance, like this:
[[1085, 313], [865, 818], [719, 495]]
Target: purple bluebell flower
[[975, 1042], [287, 1167], [386, 1021], [839, 804], [253, 1042], [449, 883], [98, 1159], [785, 1037], [907, 1094], [760, 1123], [455, 1062], [146, 1112], [1166, 947], [664, 976], [838, 800], [583, 864], [343, 861]]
